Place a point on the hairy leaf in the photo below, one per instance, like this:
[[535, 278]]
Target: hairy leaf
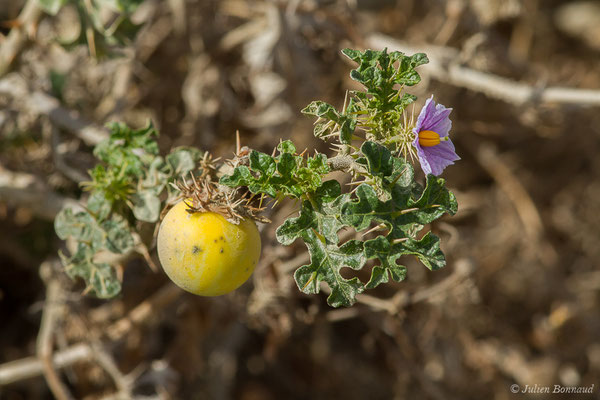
[[330, 121], [118, 235], [427, 250], [322, 215], [286, 174], [146, 206], [100, 278], [326, 262], [81, 226]]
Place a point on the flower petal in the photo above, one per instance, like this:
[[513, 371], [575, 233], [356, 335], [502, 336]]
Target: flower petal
[[434, 159], [440, 156]]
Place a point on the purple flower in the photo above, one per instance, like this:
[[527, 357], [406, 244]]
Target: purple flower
[[434, 147]]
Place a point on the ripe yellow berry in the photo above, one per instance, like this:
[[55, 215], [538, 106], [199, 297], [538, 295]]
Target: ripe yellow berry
[[204, 253]]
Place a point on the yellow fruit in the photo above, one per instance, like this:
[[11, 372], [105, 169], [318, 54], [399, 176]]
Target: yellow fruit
[[204, 253]]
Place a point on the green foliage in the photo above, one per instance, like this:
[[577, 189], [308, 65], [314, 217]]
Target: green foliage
[[394, 201], [387, 200], [286, 174], [101, 35], [331, 122], [126, 186], [52, 6], [378, 110], [387, 205]]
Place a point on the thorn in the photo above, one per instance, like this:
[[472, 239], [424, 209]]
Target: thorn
[[238, 145], [356, 183], [87, 290], [396, 241], [379, 227], [345, 102]]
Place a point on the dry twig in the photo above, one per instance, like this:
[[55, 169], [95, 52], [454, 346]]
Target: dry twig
[[25, 190], [29, 367], [11, 47], [50, 317]]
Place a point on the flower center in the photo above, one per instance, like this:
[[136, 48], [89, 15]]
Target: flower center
[[429, 138]]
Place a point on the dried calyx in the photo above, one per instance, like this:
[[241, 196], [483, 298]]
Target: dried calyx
[[204, 194]]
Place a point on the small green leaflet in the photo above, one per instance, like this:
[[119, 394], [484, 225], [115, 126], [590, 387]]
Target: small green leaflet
[[330, 121], [286, 174]]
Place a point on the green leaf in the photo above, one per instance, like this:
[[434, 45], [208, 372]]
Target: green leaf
[[432, 203], [118, 235], [331, 121], [406, 74], [318, 225], [379, 159], [352, 54], [379, 108], [52, 6], [427, 250], [399, 204], [286, 147], [321, 109], [158, 174], [146, 206], [183, 160], [100, 278], [283, 175], [58, 81], [323, 216], [81, 226], [241, 176], [326, 262], [388, 255], [128, 149], [128, 6], [99, 204], [368, 208], [287, 165]]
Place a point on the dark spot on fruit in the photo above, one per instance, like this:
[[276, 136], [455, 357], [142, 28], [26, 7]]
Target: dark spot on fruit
[[215, 240], [196, 250], [222, 250], [221, 238], [247, 269]]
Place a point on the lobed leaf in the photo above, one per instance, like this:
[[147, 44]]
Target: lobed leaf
[[330, 121], [427, 250], [100, 278], [326, 262], [322, 215], [81, 225], [146, 206]]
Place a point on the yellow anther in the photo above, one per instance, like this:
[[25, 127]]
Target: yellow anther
[[428, 138]]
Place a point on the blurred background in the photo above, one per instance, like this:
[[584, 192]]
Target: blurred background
[[517, 304]]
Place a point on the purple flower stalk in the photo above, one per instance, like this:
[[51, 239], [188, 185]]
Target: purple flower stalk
[[433, 145]]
